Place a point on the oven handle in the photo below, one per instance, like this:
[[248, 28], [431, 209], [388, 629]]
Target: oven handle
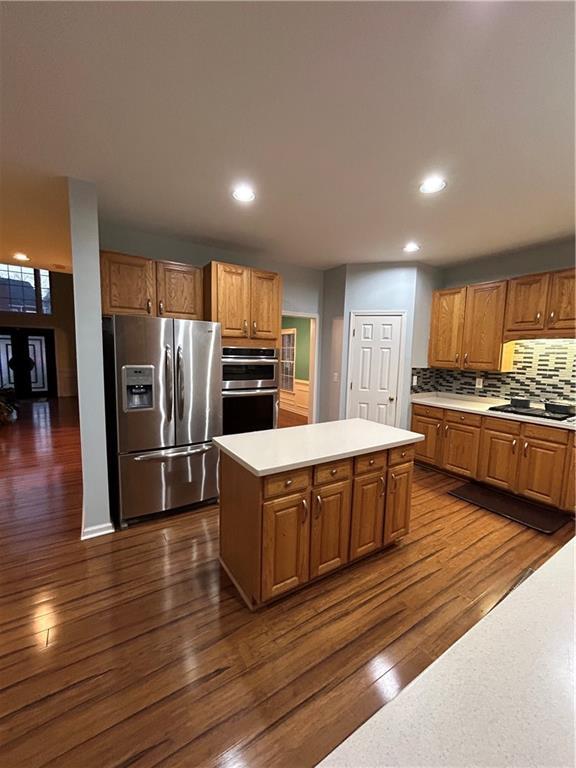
[[257, 360], [249, 392]]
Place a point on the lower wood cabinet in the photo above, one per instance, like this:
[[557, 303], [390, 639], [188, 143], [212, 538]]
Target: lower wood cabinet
[[498, 462], [460, 449], [429, 449], [398, 502], [285, 544], [569, 487], [330, 528], [367, 514], [541, 471]]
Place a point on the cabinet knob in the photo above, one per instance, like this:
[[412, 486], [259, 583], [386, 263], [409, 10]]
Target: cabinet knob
[[288, 483], [333, 472], [161, 307], [149, 306], [371, 462], [403, 454], [461, 418]]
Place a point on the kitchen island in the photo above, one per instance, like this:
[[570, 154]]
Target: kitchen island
[[299, 503]]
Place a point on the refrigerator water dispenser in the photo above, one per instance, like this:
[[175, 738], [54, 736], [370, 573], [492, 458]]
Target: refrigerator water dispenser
[[138, 387]]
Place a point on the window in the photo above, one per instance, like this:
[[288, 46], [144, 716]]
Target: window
[[25, 290], [287, 359]]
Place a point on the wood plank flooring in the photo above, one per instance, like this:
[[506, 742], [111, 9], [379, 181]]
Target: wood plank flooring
[[135, 650], [290, 419]]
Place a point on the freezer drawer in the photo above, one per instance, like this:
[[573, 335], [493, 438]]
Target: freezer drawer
[[157, 481]]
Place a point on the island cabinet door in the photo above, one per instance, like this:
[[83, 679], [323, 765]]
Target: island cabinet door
[[285, 544], [330, 531], [498, 461], [541, 471], [398, 502], [367, 515]]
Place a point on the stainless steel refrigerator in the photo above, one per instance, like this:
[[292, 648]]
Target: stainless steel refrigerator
[[164, 406]]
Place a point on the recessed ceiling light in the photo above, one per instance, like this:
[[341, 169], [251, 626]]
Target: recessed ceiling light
[[411, 247], [432, 184], [243, 193], [21, 256]]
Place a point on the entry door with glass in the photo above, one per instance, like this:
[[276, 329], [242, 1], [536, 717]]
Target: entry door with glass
[[27, 362]]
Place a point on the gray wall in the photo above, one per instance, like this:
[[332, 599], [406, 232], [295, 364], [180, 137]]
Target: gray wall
[[331, 343], [541, 257], [83, 210], [427, 280]]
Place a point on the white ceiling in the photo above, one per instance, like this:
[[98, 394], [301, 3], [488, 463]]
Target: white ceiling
[[334, 110]]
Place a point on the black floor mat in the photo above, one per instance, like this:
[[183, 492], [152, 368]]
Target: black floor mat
[[537, 516]]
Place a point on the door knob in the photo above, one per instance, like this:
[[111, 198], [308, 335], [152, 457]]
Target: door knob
[[391, 398]]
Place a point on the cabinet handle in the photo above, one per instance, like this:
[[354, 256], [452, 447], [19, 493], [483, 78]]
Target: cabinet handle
[[438, 428], [305, 508], [514, 445], [384, 485], [245, 327], [318, 506], [395, 482], [466, 358], [552, 316], [538, 316], [333, 472], [371, 462], [149, 305], [254, 326], [403, 454], [526, 448], [457, 356], [461, 418], [161, 307], [288, 483], [445, 430]]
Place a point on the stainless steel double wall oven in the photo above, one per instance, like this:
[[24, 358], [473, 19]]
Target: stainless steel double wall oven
[[249, 389]]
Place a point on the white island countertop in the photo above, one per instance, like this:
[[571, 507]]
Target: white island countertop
[[279, 450], [482, 405], [500, 697]]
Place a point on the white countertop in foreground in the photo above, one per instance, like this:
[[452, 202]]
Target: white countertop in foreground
[[502, 696], [279, 450], [470, 404]]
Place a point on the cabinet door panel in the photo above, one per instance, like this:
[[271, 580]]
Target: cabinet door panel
[[285, 544], [233, 291], [526, 303], [398, 502], [498, 461], [330, 533], [265, 304], [367, 514], [483, 326], [541, 471], [460, 449], [569, 487], [427, 450], [561, 302], [179, 290], [128, 284], [447, 323]]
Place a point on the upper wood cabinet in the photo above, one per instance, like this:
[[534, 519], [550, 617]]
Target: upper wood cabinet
[[330, 528], [398, 502], [179, 290], [247, 302], [285, 544], [447, 327], [264, 304], [561, 301], [483, 326], [128, 284], [367, 514], [526, 303]]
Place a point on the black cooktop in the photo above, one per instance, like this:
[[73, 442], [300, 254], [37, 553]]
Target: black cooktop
[[538, 413]]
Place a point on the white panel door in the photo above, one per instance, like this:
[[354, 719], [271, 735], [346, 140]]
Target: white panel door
[[374, 368]]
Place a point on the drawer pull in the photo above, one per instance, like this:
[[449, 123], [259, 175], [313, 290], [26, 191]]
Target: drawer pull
[[403, 454], [333, 472], [462, 418], [288, 483], [371, 462]]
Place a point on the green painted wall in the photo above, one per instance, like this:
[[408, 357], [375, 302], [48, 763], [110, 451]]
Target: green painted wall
[[302, 325]]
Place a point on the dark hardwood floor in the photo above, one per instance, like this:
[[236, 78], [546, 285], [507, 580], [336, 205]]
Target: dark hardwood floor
[[135, 650], [290, 419]]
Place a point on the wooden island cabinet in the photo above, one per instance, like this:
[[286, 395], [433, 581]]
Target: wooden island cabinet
[[281, 528]]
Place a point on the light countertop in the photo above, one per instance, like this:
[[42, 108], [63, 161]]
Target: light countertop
[[502, 696], [278, 450], [470, 404]]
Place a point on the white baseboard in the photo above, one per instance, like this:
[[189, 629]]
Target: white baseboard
[[97, 530]]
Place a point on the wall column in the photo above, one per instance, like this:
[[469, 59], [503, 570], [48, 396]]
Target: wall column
[[83, 209]]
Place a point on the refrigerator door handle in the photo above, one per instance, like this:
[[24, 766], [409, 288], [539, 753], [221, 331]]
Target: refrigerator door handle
[[165, 455], [169, 382], [180, 382]]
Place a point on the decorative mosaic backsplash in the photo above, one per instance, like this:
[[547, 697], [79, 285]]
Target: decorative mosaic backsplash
[[543, 369]]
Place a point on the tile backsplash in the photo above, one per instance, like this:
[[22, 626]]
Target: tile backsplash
[[542, 369]]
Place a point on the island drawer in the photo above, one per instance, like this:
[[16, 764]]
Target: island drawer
[[401, 455], [332, 471], [507, 426], [470, 419], [286, 482], [370, 462], [552, 434], [428, 410]]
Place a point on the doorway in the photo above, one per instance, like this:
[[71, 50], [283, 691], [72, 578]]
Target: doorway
[[28, 362], [298, 354], [375, 351]]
